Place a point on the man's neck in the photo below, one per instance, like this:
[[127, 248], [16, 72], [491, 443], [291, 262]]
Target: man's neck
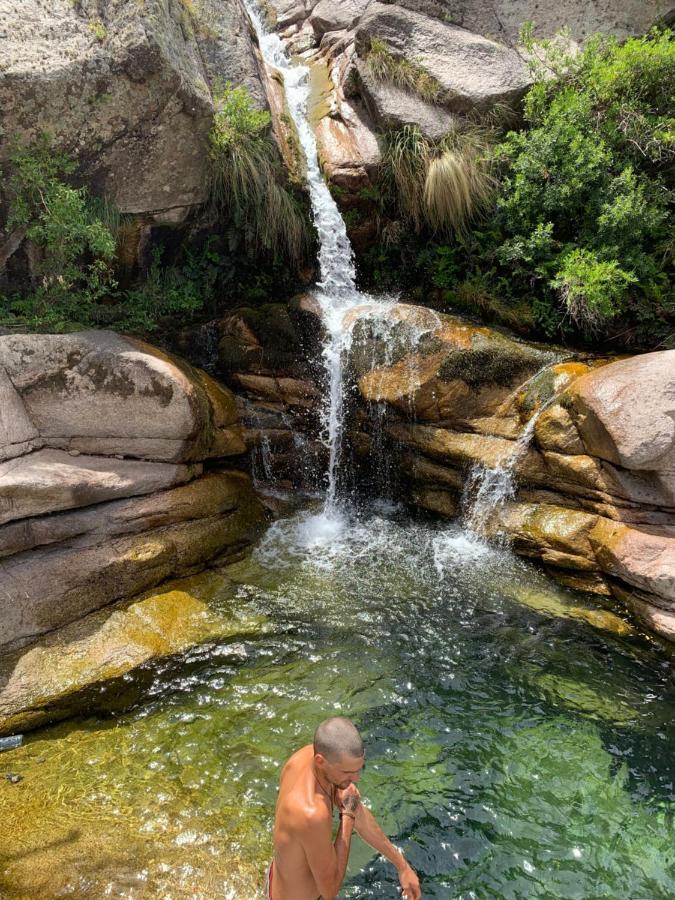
[[326, 788]]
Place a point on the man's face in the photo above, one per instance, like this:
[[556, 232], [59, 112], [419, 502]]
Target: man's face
[[343, 772]]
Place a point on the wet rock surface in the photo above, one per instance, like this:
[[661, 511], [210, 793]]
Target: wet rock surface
[[100, 661], [270, 357], [103, 488], [571, 460]]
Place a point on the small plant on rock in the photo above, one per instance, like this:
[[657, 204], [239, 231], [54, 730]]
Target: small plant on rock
[[439, 185], [384, 66], [247, 180]]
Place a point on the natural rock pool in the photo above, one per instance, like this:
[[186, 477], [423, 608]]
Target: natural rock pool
[[519, 736]]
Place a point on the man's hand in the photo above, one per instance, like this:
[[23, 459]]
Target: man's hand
[[349, 800], [410, 884]]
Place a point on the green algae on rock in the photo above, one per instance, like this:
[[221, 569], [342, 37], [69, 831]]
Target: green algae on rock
[[102, 661]]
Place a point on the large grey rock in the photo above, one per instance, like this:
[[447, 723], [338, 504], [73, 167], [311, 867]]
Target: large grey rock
[[475, 73], [125, 87], [96, 431], [328, 15], [98, 392], [50, 480], [49, 586], [391, 106], [503, 19], [282, 13]]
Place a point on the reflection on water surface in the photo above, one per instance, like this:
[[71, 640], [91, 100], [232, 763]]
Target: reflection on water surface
[[520, 737]]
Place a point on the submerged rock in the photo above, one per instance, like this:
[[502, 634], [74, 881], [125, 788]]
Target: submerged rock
[[80, 667]]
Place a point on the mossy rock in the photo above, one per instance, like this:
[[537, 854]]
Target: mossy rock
[[494, 358]]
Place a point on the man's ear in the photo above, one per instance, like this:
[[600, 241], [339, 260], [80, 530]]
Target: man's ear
[[319, 760]]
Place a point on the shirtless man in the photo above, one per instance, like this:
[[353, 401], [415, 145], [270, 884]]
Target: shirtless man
[[317, 778]]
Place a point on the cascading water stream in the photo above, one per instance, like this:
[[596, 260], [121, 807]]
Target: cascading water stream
[[487, 489], [336, 290]]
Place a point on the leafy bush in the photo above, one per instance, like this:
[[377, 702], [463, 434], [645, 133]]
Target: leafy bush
[[78, 239], [247, 180], [582, 214], [74, 247]]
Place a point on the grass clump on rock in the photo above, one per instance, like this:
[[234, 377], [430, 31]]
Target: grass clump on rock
[[384, 66], [440, 185], [247, 180]]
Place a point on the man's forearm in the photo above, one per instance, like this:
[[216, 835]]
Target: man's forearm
[[342, 844], [368, 829]]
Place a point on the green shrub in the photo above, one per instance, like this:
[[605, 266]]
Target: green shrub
[[75, 248], [165, 293], [593, 291], [247, 180], [582, 215]]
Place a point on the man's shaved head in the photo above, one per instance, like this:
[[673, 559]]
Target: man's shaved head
[[336, 738]]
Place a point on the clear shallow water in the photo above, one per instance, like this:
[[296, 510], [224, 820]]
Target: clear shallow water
[[520, 737]]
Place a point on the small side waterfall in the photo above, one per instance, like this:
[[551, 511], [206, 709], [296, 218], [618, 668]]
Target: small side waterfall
[[336, 289], [486, 490]]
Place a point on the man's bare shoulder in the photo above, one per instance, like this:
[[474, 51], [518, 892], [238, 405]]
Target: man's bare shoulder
[[302, 813]]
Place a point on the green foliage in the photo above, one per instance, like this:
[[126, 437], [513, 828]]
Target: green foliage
[[98, 29], [237, 120], [440, 186], [384, 66], [74, 233], [582, 213], [166, 293], [74, 248], [247, 180], [592, 290], [578, 243]]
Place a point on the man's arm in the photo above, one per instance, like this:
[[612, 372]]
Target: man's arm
[[369, 830], [328, 862]]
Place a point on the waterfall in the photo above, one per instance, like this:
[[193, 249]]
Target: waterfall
[[336, 289], [488, 489]]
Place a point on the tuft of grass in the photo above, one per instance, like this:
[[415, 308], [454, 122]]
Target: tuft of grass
[[98, 29], [440, 185], [406, 158], [459, 184], [384, 66], [248, 182]]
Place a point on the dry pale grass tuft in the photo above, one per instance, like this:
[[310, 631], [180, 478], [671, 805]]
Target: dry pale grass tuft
[[441, 186], [458, 188]]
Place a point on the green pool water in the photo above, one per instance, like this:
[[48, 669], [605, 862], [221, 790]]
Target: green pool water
[[519, 736]]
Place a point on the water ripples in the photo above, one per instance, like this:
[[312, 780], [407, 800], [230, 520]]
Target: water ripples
[[519, 745]]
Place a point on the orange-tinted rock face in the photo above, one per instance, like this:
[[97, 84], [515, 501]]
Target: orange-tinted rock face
[[625, 412], [589, 444]]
